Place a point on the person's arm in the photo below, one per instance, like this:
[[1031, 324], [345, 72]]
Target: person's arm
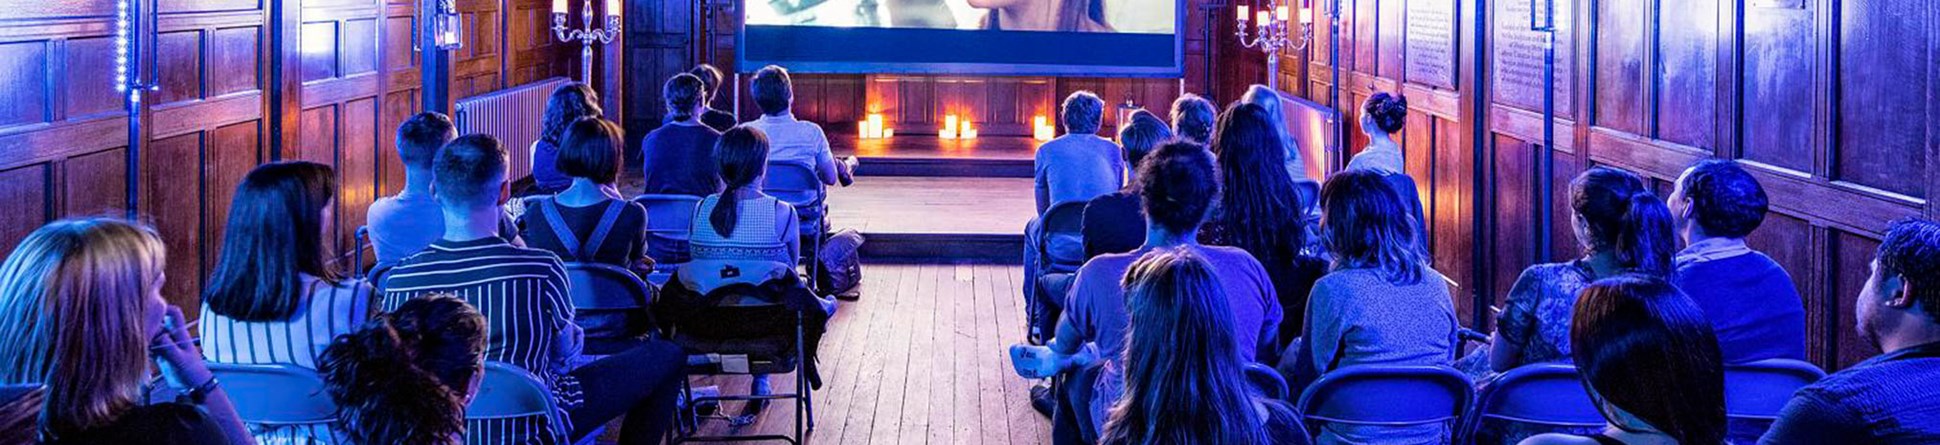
[[568, 339], [1809, 419], [1326, 328], [1041, 186], [175, 353], [1268, 349], [825, 165], [1517, 322]]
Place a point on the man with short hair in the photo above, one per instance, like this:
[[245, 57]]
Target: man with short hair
[[524, 295], [791, 140], [403, 225], [1750, 300], [1075, 168], [1893, 397], [711, 79], [1193, 118]]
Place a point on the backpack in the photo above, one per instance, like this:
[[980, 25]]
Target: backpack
[[841, 261]]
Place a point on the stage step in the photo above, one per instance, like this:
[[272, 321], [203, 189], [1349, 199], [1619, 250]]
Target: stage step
[[944, 167], [987, 248]]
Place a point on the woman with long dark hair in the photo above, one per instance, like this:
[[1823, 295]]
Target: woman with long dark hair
[[1381, 304], [1182, 378], [406, 377], [1258, 209], [82, 311], [569, 103], [1621, 227], [1649, 359], [272, 298]]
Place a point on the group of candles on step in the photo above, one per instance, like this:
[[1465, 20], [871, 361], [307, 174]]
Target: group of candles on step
[[953, 128]]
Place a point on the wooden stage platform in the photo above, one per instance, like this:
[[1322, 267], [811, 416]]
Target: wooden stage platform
[[924, 199]]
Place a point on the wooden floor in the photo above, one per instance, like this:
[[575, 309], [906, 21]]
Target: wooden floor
[[929, 205], [920, 359]]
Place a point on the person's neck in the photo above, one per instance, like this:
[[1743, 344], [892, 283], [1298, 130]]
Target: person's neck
[[583, 191], [1159, 236], [416, 182], [1603, 264], [470, 222], [1913, 328], [746, 191], [1380, 139]]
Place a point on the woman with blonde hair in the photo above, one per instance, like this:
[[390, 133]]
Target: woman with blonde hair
[[1269, 100], [81, 305]]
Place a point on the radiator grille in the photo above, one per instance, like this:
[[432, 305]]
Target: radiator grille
[[513, 116]]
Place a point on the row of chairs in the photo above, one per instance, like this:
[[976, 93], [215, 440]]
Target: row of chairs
[[1546, 395], [281, 395]]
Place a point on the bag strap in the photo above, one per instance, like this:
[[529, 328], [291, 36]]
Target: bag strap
[[607, 220], [550, 209]]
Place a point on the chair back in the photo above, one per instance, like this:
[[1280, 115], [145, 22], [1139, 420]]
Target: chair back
[[1062, 242], [1382, 395], [276, 394], [670, 222], [1309, 192], [1267, 380], [510, 392], [795, 184], [1542, 394], [600, 286], [1758, 390]]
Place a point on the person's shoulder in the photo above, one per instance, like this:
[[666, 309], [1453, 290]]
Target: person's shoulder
[[1110, 266], [1557, 439]]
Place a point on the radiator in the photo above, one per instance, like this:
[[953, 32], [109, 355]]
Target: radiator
[[513, 116]]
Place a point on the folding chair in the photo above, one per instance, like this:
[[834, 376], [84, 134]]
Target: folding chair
[[1547, 395], [276, 394], [508, 392], [757, 342], [1755, 392], [799, 186], [604, 288], [361, 239], [1386, 396], [1270, 383], [670, 222], [1060, 252]]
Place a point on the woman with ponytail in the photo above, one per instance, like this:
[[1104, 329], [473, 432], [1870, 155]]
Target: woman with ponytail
[[405, 377], [745, 240], [1620, 227]]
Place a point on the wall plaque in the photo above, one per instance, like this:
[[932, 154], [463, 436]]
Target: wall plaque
[[1430, 48], [1518, 57]]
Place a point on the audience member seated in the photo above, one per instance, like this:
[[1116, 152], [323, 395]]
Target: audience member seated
[[403, 225], [790, 140], [1182, 379], [406, 377], [82, 311], [1075, 167], [1381, 305], [1649, 359], [679, 156], [1177, 185], [1621, 228], [1112, 223], [1750, 300], [1269, 100], [273, 299], [568, 104], [1893, 397], [588, 223], [523, 294], [747, 238], [1258, 211], [711, 79], [1382, 116], [1192, 118]]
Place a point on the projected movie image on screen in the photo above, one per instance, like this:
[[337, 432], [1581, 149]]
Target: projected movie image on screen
[[1097, 37]]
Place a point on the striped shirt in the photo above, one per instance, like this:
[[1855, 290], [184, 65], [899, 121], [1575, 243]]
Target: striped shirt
[[524, 297], [328, 311]]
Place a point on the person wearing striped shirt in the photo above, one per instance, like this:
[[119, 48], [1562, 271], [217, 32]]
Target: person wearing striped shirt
[[273, 299], [524, 295]]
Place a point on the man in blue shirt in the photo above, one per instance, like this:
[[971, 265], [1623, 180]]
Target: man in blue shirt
[[1750, 300], [1895, 397], [1075, 167]]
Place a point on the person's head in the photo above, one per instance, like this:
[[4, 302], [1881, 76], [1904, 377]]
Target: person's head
[[1617, 215], [710, 81], [1185, 380], [685, 96], [79, 302], [1082, 112], [1384, 114], [1258, 208], [470, 171], [419, 138], [1718, 198], [1143, 135], [1192, 118], [568, 103], [273, 239], [742, 153], [1649, 358], [1903, 292], [1266, 98], [772, 90], [1367, 225], [1177, 183], [405, 377], [593, 149]]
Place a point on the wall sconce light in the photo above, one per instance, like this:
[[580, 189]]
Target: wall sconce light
[[1275, 34], [447, 26]]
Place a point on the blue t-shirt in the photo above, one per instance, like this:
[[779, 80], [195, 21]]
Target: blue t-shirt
[[545, 168], [1076, 167], [1752, 305]]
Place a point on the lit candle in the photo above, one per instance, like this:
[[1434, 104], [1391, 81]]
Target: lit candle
[[1263, 17], [862, 129], [875, 125], [1280, 13], [1306, 15], [1242, 12], [966, 129], [559, 7], [613, 8], [950, 122], [888, 133]]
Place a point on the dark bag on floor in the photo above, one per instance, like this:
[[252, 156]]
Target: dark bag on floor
[[841, 261]]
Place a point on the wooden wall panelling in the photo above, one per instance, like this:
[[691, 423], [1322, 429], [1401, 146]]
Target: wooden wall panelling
[[1884, 58], [340, 47], [660, 36], [400, 83]]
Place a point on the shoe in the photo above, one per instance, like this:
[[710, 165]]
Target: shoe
[[752, 410], [1042, 399]]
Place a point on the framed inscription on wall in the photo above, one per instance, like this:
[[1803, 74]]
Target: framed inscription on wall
[[1430, 48], [1518, 56]]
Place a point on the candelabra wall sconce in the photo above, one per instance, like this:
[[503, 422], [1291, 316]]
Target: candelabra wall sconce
[[1275, 33], [587, 34]]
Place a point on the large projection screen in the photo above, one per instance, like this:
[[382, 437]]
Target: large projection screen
[[1122, 38]]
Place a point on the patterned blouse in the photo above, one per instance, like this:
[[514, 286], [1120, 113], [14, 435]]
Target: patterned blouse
[[1537, 314]]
